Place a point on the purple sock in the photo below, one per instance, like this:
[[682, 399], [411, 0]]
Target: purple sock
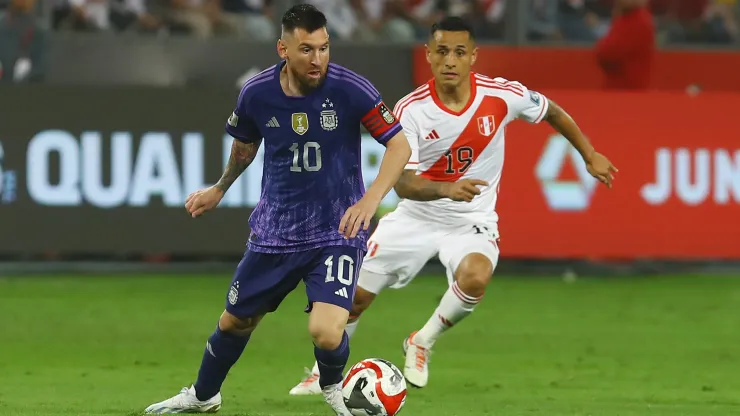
[[332, 362], [222, 352]]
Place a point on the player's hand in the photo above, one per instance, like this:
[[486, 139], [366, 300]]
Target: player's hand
[[358, 215], [464, 190], [203, 200], [601, 168]]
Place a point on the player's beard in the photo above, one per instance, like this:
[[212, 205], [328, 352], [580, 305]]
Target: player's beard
[[307, 84], [310, 84]]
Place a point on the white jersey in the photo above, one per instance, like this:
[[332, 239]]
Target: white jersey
[[448, 146]]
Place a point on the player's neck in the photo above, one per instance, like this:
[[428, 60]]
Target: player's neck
[[289, 84], [454, 98]]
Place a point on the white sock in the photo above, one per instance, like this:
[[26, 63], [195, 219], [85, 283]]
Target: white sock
[[453, 308], [350, 330]]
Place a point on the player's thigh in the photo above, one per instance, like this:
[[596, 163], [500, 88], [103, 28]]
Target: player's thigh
[[332, 277], [397, 250], [261, 282], [464, 242]]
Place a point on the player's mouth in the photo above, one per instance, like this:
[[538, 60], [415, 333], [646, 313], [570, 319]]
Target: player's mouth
[[449, 75], [316, 74]]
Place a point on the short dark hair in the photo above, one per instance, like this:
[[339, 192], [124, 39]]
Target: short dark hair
[[453, 24], [303, 16]]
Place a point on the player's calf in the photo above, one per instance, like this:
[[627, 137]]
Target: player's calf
[[223, 349], [331, 343], [309, 385], [471, 277]]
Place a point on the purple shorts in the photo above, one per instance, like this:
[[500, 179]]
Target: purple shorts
[[263, 280]]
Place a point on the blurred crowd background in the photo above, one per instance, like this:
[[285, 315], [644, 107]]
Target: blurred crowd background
[[676, 21], [27, 25]]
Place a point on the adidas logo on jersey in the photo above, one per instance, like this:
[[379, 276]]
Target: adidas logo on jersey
[[432, 135], [272, 123], [342, 292]]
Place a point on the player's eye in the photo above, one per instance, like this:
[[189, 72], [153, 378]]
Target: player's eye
[[460, 52]]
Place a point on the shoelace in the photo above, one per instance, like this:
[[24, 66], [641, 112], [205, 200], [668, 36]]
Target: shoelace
[[181, 398]]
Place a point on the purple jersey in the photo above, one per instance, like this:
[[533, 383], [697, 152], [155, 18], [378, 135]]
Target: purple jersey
[[312, 171]]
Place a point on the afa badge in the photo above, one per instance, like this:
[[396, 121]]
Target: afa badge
[[388, 117], [328, 118], [234, 294]]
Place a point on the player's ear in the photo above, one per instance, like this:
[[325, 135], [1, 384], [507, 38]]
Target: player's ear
[[282, 49], [474, 56], [429, 54]]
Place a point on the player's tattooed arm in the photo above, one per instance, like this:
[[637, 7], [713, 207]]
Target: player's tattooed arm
[[414, 187], [561, 121], [242, 155], [411, 186]]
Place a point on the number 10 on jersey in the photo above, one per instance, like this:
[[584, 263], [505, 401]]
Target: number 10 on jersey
[[343, 262], [310, 160]]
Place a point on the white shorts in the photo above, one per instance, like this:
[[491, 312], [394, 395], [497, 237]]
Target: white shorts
[[401, 245]]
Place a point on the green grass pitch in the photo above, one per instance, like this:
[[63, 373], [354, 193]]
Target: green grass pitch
[[536, 346]]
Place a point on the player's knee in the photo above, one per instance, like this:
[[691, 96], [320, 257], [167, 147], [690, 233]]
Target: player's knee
[[326, 325], [362, 300], [474, 273], [327, 337], [235, 325]]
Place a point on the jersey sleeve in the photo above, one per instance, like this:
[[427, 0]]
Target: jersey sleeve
[[411, 131], [530, 105], [240, 124]]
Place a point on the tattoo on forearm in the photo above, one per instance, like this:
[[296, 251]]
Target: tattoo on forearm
[[411, 187], [242, 155]]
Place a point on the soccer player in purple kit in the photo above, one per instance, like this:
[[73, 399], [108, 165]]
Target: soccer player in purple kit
[[312, 219]]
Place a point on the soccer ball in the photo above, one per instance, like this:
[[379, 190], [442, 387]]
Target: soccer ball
[[374, 387]]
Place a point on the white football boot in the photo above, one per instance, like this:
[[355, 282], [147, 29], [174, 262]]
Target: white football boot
[[333, 396], [416, 369], [186, 402], [308, 386]]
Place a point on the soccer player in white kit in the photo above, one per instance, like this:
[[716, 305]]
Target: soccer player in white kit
[[455, 125]]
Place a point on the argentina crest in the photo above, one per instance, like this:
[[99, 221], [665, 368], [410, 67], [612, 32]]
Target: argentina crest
[[328, 120], [300, 123], [388, 117]]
